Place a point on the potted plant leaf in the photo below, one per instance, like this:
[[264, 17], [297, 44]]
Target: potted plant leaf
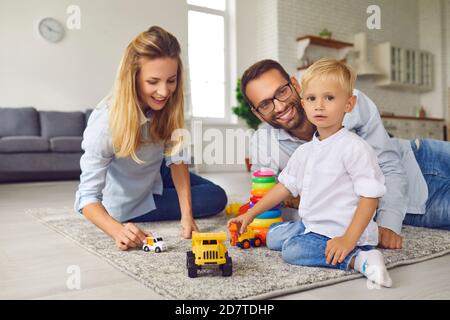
[[243, 111], [325, 34]]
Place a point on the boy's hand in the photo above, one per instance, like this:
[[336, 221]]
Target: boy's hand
[[337, 249], [242, 222]]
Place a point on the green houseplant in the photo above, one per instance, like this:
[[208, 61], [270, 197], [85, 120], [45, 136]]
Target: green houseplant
[[325, 34], [243, 111]]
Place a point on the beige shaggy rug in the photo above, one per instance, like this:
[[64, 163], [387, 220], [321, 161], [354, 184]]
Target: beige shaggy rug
[[257, 273]]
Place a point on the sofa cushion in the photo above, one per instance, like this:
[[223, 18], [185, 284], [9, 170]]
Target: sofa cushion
[[19, 122], [39, 162], [87, 115], [61, 124], [23, 144], [66, 144]]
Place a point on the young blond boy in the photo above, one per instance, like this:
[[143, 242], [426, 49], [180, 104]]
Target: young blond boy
[[339, 182]]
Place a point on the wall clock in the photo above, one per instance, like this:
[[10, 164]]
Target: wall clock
[[51, 30]]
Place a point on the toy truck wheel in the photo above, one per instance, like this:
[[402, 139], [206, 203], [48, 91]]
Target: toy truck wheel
[[146, 249], [227, 268], [190, 259], [190, 264], [192, 272], [245, 244], [157, 249], [257, 242]]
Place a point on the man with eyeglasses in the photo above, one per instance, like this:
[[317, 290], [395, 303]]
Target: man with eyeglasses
[[417, 172]]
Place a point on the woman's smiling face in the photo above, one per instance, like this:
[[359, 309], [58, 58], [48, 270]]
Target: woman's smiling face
[[157, 81]]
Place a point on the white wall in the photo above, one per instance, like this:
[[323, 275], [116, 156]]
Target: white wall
[[226, 146], [77, 72], [246, 31], [447, 55], [345, 18], [267, 36], [432, 38], [447, 33]]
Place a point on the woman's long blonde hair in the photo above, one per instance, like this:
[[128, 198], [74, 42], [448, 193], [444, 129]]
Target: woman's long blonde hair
[[124, 118]]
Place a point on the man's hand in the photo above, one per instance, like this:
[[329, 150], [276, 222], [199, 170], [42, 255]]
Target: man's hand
[[388, 239], [337, 249], [292, 202]]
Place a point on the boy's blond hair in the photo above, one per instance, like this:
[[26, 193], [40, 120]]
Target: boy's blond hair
[[325, 68]]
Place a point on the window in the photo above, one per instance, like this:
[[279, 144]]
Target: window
[[214, 4], [207, 58]]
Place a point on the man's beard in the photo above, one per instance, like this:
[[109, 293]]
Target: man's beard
[[295, 123]]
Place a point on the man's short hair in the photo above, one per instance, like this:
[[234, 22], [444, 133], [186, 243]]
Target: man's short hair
[[256, 70], [326, 68]]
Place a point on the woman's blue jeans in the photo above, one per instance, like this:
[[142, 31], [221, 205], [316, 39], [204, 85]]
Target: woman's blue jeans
[[208, 199], [433, 157]]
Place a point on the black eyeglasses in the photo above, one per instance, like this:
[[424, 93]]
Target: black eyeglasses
[[267, 106]]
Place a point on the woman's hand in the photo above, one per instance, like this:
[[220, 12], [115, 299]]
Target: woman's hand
[[181, 180], [129, 236], [124, 235], [337, 249], [187, 226]]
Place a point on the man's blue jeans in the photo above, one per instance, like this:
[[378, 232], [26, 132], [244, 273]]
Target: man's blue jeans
[[207, 199], [304, 249], [433, 157]]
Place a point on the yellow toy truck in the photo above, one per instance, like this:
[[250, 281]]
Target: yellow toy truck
[[208, 249]]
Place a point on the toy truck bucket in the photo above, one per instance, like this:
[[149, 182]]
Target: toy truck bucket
[[219, 236]]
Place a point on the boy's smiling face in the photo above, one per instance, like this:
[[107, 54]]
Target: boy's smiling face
[[325, 103]]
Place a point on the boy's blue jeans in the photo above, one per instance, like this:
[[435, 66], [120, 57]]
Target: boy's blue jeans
[[433, 157], [207, 199], [304, 249]]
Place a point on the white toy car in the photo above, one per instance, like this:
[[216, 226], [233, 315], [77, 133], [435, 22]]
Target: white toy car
[[154, 244]]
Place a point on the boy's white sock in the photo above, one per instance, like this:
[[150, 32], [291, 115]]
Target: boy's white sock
[[371, 264]]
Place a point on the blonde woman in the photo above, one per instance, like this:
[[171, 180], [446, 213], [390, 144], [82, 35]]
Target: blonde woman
[[128, 149]]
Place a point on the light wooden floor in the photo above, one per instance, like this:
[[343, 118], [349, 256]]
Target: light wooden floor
[[34, 259]]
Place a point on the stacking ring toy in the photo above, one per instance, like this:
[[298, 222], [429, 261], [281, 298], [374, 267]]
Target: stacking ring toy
[[271, 214], [265, 223], [263, 186], [276, 208], [259, 193], [263, 173], [263, 179]]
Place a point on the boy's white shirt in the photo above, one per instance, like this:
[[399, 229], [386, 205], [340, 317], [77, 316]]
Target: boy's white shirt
[[407, 190], [330, 176]]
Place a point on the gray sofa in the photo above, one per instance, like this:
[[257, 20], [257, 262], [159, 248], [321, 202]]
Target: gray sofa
[[40, 145]]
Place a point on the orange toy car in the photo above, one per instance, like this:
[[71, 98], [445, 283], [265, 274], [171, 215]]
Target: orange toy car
[[250, 238]]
